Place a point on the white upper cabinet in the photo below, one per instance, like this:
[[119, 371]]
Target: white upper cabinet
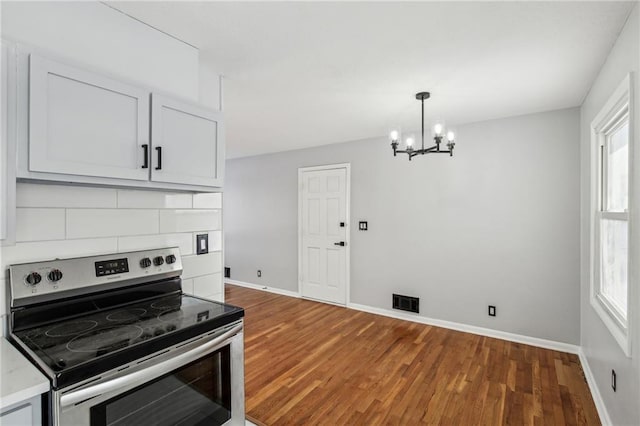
[[82, 123], [187, 142]]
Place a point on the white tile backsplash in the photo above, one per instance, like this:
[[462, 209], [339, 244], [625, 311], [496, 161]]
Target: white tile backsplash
[[47, 250], [40, 224], [189, 220], [205, 264], [87, 223], [207, 201], [66, 196], [187, 285], [144, 242], [153, 200], [60, 221], [207, 285]]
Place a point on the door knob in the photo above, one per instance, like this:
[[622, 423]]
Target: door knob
[[341, 243]]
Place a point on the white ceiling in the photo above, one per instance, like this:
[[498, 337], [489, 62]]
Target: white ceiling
[[314, 73]]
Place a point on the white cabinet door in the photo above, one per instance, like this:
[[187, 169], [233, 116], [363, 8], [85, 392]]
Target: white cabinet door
[[82, 123], [188, 143], [26, 413]]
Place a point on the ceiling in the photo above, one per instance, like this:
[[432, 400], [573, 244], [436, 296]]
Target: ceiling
[[302, 74]]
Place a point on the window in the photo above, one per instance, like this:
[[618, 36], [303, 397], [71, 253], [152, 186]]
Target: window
[[611, 140]]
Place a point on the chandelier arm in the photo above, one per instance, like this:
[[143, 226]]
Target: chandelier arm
[[422, 102]]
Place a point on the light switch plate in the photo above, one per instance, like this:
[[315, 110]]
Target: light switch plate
[[202, 243]]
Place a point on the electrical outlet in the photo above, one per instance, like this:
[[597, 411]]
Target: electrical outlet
[[614, 380], [492, 311], [259, 273], [202, 243]]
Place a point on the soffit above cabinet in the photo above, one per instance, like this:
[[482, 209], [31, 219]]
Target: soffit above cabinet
[[105, 39]]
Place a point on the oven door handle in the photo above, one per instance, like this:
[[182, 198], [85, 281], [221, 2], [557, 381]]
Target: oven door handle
[[148, 373]]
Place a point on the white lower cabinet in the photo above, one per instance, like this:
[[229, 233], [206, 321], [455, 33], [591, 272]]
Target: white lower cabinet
[[26, 413]]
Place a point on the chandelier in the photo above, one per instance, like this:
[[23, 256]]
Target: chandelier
[[437, 129]]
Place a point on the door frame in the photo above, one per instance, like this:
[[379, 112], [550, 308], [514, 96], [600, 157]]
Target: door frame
[[301, 170]]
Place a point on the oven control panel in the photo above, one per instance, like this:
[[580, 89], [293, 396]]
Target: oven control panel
[[110, 267], [42, 281]]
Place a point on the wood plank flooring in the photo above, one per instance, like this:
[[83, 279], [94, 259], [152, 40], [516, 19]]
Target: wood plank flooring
[[309, 363]]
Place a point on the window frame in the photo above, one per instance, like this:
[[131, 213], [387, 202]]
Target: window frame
[[617, 111]]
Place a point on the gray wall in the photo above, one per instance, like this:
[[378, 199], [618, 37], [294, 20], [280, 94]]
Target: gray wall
[[602, 351], [496, 224]]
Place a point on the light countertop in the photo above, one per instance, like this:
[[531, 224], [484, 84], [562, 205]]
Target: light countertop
[[19, 379]]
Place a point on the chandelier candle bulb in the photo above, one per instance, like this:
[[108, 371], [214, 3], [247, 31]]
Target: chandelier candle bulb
[[437, 128]]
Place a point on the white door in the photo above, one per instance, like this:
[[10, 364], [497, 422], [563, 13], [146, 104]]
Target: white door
[[82, 123], [324, 245], [188, 143]]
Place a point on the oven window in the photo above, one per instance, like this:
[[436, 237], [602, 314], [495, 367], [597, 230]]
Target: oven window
[[197, 394]]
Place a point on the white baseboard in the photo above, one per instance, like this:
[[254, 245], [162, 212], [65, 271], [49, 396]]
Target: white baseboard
[[527, 340], [263, 288], [512, 337], [595, 392]]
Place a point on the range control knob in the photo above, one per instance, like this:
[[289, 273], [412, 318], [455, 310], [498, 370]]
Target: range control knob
[[54, 275], [159, 260], [145, 262], [171, 259], [33, 278]]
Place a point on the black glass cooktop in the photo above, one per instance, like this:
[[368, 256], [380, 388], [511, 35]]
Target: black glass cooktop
[[83, 346]]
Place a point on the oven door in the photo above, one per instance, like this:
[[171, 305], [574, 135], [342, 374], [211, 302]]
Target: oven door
[[197, 383]]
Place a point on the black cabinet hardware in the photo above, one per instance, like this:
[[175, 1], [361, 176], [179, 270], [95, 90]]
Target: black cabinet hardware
[[145, 147], [341, 243], [159, 166]]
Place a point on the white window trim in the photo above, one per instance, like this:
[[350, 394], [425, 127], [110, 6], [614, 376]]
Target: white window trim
[[608, 115]]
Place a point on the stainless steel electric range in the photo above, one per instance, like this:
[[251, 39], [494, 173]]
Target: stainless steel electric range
[[123, 345]]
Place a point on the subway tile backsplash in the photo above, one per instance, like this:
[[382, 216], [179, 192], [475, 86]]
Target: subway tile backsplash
[[207, 201], [40, 224], [144, 242], [89, 223], [153, 200], [70, 221], [189, 220], [65, 196], [205, 264]]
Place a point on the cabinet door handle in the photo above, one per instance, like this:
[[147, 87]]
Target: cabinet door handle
[[159, 166], [145, 147], [341, 244]]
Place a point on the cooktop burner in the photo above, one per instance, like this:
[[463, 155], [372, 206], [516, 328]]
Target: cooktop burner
[[127, 314], [74, 342], [71, 328], [103, 340], [165, 304]]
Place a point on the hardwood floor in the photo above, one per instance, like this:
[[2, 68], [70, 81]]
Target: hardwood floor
[[310, 363]]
